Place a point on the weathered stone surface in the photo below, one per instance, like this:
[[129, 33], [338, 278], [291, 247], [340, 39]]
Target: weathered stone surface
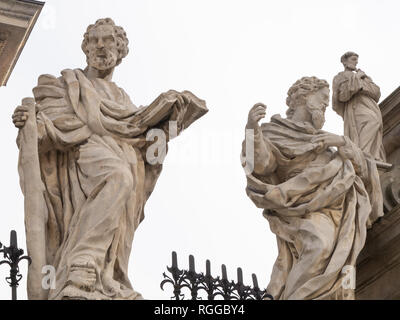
[[355, 98], [390, 183], [17, 18], [378, 267], [89, 160], [318, 201], [390, 108]]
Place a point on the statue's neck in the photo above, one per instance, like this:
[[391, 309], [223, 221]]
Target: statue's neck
[[92, 73], [349, 69]]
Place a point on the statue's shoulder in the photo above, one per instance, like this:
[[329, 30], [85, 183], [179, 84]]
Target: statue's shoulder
[[67, 76], [50, 80], [49, 85], [341, 76], [275, 121]]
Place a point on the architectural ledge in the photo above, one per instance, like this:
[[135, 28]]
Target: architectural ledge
[[17, 18], [378, 266]]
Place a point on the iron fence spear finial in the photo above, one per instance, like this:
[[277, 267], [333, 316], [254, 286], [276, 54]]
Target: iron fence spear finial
[[213, 286], [12, 256], [174, 260]]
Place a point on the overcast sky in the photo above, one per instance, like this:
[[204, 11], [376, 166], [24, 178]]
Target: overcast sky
[[230, 53]]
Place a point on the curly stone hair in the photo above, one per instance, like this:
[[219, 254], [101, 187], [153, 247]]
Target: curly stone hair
[[122, 40], [300, 89]]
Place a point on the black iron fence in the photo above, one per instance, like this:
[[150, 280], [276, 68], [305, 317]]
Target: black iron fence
[[12, 256], [214, 288]]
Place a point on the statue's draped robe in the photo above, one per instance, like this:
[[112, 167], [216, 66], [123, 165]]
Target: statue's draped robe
[[319, 204], [356, 101], [97, 181]]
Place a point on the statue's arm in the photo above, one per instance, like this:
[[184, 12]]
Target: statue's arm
[[264, 159], [371, 89], [347, 86], [349, 151], [171, 112], [20, 117], [44, 142], [257, 149]]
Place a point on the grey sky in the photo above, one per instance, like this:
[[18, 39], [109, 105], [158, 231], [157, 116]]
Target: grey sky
[[230, 53]]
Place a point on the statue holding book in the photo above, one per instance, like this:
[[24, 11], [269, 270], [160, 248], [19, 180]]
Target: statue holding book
[[89, 160]]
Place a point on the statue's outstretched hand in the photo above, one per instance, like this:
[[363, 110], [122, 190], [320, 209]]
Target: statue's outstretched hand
[[256, 113], [20, 116], [181, 104], [328, 140]]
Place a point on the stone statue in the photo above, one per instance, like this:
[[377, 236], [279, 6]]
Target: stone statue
[[89, 160], [318, 200], [355, 98]]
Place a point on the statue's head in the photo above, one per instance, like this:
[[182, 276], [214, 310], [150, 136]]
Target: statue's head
[[312, 95], [104, 44], [349, 60]]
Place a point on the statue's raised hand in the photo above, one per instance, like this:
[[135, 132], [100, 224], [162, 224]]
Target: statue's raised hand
[[20, 116], [256, 113]]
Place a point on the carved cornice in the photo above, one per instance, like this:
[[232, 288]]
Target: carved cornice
[[380, 256], [368, 285], [20, 9], [380, 234], [390, 109], [17, 15], [3, 40], [17, 18]]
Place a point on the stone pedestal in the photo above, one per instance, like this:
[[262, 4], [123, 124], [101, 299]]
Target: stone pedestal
[[378, 266]]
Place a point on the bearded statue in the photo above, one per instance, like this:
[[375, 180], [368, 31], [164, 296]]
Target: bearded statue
[[319, 192], [87, 166]]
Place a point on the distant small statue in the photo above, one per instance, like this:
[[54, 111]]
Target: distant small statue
[[89, 160], [319, 201], [355, 99]]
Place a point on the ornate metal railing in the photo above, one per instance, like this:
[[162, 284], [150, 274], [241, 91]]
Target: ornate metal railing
[[214, 288], [13, 256]]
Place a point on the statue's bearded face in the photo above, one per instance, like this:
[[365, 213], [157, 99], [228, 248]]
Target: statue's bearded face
[[316, 103], [102, 51]]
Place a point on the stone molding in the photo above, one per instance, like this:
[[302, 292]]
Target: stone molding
[[378, 265], [17, 18]]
